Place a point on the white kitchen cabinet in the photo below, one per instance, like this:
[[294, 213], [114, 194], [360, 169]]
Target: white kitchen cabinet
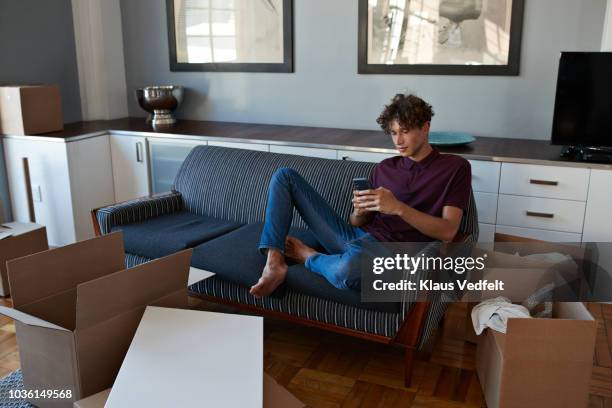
[[486, 232], [541, 213], [598, 218], [247, 146], [566, 183], [539, 234], [68, 179], [304, 151], [130, 163], [485, 176], [166, 157], [362, 156]]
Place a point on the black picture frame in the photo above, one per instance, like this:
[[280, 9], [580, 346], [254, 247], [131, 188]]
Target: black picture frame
[[510, 69], [285, 66]]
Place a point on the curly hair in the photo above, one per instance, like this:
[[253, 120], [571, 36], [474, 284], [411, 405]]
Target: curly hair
[[410, 111]]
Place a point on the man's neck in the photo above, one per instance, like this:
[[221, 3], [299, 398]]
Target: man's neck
[[422, 153]]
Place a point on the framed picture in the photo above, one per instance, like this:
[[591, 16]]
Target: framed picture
[[440, 37], [230, 35]]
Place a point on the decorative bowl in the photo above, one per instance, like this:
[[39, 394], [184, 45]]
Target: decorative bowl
[[160, 102], [450, 138]]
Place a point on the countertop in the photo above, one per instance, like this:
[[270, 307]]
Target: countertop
[[484, 148]]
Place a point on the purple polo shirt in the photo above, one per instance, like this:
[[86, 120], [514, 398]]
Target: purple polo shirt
[[429, 185]]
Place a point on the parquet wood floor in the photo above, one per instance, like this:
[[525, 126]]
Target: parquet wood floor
[[329, 370]]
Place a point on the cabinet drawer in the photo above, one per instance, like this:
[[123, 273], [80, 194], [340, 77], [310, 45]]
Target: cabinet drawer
[[362, 156], [485, 176], [304, 151], [542, 235], [486, 204], [246, 146], [544, 181], [541, 213]]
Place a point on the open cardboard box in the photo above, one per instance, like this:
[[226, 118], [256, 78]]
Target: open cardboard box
[[76, 309], [539, 362], [508, 261], [24, 239]]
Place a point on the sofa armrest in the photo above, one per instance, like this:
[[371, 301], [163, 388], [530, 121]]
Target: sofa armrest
[[138, 210], [432, 249]]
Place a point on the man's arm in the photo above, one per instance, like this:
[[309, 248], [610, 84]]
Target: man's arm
[[442, 228]]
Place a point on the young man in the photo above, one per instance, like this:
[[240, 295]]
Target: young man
[[417, 196]]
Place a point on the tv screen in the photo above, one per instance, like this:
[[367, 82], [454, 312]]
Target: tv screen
[[583, 105]]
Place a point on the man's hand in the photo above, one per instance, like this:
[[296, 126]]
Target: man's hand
[[357, 210], [380, 199]]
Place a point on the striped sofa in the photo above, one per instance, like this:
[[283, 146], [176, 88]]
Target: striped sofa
[[231, 184]]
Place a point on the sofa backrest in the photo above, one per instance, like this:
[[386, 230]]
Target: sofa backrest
[[233, 183]]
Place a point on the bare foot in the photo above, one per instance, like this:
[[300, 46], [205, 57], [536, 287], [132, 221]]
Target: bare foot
[[273, 275], [297, 250]]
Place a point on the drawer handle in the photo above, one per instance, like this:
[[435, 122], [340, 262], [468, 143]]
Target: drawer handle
[[139, 156], [539, 214], [544, 182]]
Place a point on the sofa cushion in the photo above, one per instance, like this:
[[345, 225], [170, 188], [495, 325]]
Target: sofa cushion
[[167, 234], [235, 257], [300, 279]]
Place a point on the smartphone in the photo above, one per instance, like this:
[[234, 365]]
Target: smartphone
[[361, 183]]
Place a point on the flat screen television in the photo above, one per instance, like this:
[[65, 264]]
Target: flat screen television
[[583, 105]]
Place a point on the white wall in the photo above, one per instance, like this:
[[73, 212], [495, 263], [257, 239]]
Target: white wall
[[101, 64]]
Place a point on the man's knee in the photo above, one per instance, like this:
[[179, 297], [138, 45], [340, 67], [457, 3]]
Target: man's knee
[[284, 174]]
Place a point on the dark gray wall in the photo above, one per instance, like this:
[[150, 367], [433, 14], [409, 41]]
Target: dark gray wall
[[326, 90], [37, 46]]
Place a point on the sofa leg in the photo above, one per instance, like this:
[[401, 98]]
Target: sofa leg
[[408, 365]]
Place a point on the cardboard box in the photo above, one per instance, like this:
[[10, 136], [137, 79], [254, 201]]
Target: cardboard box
[[17, 240], [539, 362], [274, 396], [77, 309], [30, 109]]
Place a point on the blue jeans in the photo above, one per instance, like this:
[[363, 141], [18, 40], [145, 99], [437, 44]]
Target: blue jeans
[[342, 241]]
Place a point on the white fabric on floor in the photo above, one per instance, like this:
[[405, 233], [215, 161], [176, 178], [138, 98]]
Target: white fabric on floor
[[494, 313]]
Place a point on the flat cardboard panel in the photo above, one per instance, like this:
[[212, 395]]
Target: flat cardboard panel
[[143, 284], [179, 354], [94, 401], [48, 361], [23, 243], [274, 396], [48, 273], [41, 107]]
